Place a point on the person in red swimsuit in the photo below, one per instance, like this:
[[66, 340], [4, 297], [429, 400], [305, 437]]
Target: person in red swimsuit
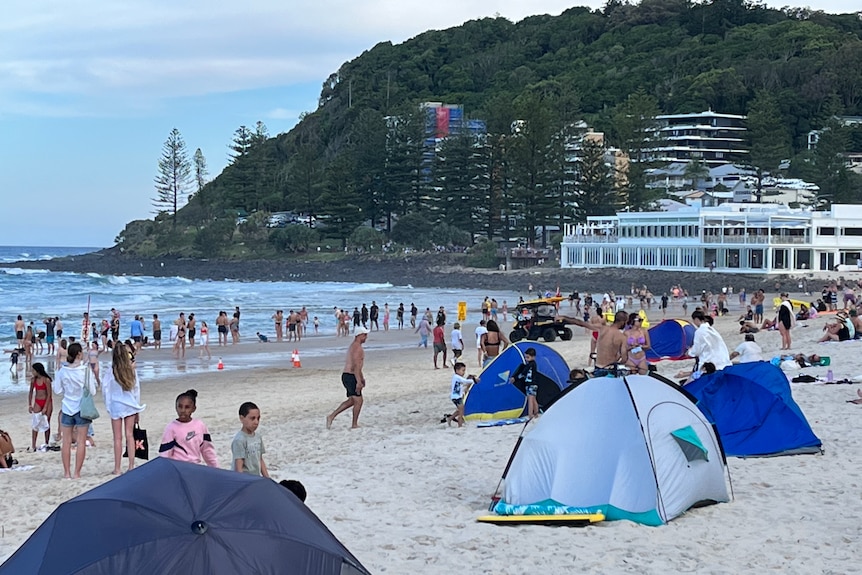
[[41, 404]]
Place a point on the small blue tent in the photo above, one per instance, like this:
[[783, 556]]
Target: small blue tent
[[495, 398], [670, 340], [751, 406]]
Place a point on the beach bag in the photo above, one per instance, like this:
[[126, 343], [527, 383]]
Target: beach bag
[[88, 406], [142, 446]]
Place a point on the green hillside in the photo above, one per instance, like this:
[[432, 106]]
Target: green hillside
[[613, 68]]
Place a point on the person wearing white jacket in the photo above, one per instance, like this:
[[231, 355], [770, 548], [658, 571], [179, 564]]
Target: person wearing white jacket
[[70, 382], [122, 393], [708, 345]]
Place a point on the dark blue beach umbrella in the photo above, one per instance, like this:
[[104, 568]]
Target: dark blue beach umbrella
[[172, 517]]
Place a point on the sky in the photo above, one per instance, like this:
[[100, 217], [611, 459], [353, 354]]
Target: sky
[[89, 90]]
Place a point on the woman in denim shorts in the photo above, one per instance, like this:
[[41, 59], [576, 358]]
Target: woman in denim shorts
[[71, 379]]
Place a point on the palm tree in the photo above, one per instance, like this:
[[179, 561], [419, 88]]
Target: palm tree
[[696, 170]]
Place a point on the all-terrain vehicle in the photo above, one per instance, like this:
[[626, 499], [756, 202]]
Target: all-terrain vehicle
[[535, 319]]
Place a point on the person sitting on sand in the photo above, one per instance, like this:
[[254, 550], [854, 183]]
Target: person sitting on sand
[[748, 351], [841, 329], [747, 327], [262, 338], [857, 322], [803, 312]]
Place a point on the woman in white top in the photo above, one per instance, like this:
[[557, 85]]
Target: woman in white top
[[70, 382], [123, 402]]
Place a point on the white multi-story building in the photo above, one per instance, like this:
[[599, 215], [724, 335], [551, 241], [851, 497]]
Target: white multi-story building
[[710, 137], [742, 238]]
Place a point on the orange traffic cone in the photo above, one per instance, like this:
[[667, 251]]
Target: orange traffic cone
[[295, 357], [220, 364]]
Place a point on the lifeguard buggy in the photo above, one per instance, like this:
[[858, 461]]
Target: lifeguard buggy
[[535, 319]]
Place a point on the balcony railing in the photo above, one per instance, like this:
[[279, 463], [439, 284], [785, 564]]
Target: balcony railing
[[735, 239], [790, 240], [587, 239]]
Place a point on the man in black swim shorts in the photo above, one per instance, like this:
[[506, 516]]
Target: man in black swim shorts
[[352, 378]]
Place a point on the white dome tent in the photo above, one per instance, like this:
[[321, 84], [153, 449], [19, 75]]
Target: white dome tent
[[634, 448]]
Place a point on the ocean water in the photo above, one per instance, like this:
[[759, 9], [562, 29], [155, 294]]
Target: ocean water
[[37, 294]]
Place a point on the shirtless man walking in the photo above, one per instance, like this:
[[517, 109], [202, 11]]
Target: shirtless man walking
[[611, 344], [352, 378]]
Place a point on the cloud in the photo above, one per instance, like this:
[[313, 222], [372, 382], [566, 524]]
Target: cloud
[[130, 55], [106, 57], [282, 114]]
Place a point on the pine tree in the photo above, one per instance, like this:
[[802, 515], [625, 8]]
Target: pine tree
[[339, 201], [562, 174], [768, 136], [201, 173], [243, 140], [173, 178], [596, 193], [636, 132], [460, 185], [368, 146], [261, 134], [530, 158], [409, 165], [830, 168], [305, 180]]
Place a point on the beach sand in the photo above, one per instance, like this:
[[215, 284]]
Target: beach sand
[[403, 492]]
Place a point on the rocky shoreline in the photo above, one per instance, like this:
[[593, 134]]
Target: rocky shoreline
[[424, 270]]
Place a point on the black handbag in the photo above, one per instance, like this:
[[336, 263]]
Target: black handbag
[[142, 446]]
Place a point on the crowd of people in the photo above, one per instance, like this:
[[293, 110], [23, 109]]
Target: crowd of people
[[618, 340]]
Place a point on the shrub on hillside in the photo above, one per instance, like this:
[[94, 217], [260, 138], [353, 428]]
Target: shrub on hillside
[[483, 255], [293, 238], [367, 238]]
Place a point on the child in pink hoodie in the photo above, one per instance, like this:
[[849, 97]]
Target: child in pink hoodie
[[187, 439]]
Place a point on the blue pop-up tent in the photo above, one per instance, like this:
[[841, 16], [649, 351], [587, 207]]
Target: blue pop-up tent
[[495, 398], [752, 407], [670, 339]]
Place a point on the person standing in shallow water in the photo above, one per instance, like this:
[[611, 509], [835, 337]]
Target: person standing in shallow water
[[221, 327], [352, 379]]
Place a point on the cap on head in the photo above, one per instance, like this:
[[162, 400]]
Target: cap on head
[[360, 331]]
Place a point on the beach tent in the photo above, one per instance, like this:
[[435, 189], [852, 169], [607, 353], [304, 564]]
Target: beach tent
[[168, 516], [670, 339], [632, 448], [495, 398], [753, 410]]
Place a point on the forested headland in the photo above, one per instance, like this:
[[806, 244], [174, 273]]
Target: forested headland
[[360, 166]]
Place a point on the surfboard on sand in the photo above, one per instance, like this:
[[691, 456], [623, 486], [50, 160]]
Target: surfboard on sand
[[562, 520]]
